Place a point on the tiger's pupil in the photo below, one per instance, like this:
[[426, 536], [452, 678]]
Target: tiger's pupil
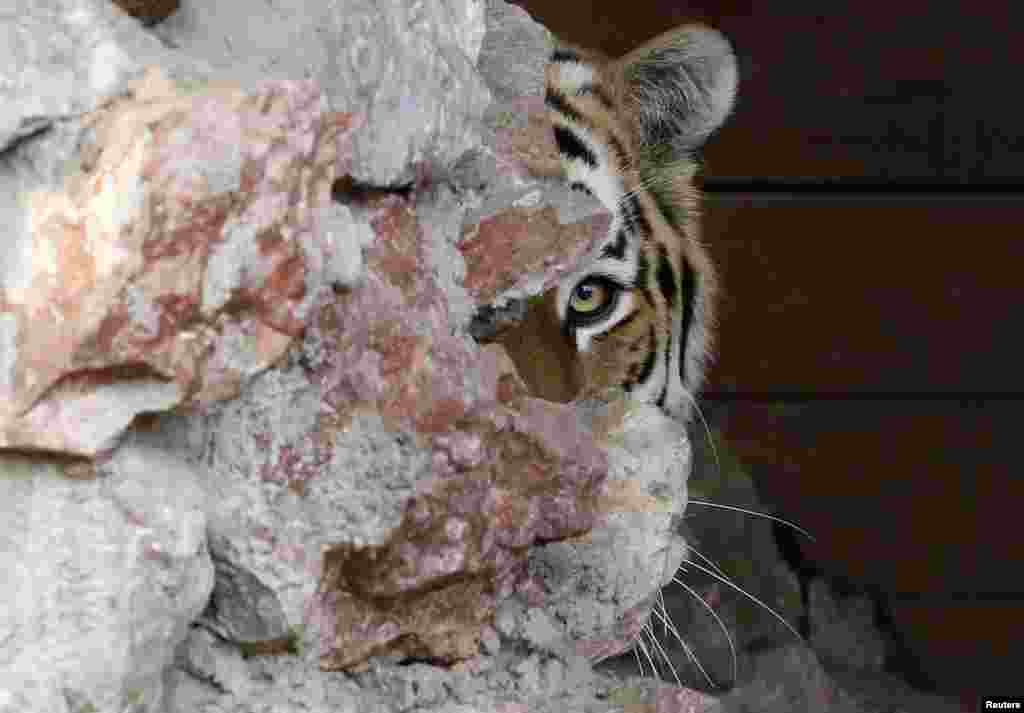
[[589, 297]]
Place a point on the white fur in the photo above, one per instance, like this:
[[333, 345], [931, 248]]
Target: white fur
[[573, 75]]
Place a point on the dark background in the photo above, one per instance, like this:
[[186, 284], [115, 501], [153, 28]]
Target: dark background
[[865, 210]]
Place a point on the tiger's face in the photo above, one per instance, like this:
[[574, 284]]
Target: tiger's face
[[636, 314]]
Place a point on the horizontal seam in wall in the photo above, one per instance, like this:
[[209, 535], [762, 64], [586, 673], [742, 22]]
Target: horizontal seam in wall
[[786, 396]]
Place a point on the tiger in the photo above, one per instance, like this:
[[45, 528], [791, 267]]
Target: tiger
[[638, 310]]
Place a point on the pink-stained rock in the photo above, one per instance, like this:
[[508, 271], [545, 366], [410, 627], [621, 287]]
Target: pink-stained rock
[[386, 487], [672, 699], [182, 258], [190, 252], [428, 591], [506, 471], [503, 251], [525, 247]]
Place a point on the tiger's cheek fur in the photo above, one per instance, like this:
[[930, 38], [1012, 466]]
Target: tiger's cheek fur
[[619, 356]]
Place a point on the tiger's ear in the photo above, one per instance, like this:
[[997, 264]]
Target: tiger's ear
[[681, 86]]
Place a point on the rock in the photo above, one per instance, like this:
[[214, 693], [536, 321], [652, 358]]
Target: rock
[[60, 60], [245, 611], [514, 52], [103, 578], [180, 259], [210, 660], [407, 69], [252, 457], [602, 587]]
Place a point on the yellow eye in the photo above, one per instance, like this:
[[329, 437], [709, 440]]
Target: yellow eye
[[589, 297]]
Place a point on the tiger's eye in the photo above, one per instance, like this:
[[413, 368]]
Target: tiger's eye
[[588, 297]]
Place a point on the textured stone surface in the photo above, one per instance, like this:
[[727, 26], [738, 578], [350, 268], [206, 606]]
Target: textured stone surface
[[62, 58], [527, 230], [408, 68], [408, 449], [180, 258], [102, 578], [244, 610], [508, 252], [514, 52], [601, 587]]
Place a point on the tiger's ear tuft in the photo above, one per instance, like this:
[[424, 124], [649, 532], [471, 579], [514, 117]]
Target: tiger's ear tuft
[[681, 85]]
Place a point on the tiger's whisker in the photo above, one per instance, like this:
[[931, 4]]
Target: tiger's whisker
[[755, 513], [690, 654], [646, 652], [661, 603], [721, 624], [664, 656], [711, 562], [639, 663], [707, 430], [745, 593]]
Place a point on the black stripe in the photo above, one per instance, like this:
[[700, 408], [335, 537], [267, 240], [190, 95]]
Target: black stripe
[[617, 249], [668, 370], [581, 186], [641, 218], [666, 276], [652, 353], [628, 219], [666, 279], [564, 55], [570, 146], [689, 290], [637, 219], [643, 269], [557, 101]]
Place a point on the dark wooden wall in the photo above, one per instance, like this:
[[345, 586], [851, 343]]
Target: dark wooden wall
[[865, 208]]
